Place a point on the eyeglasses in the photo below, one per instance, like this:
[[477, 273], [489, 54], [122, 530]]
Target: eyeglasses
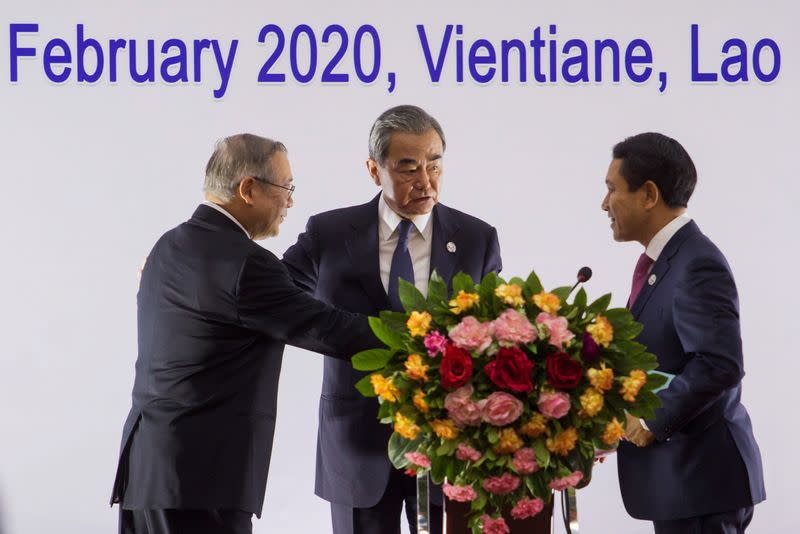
[[263, 180]]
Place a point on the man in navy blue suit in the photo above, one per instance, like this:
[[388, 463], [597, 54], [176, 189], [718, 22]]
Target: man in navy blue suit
[[695, 467], [352, 258], [214, 312]]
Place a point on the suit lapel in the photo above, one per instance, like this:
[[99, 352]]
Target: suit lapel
[[445, 228], [661, 266], [362, 247]]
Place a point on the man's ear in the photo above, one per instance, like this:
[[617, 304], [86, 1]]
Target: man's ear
[[372, 168], [245, 190], [652, 194]]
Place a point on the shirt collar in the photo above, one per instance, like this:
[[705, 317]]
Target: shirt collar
[[662, 237], [392, 220], [228, 215]]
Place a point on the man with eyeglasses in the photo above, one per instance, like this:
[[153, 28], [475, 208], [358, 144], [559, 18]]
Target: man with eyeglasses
[[214, 312], [352, 258]]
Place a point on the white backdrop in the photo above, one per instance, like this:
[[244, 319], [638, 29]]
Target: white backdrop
[[94, 174]]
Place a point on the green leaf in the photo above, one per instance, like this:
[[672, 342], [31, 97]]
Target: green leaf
[[399, 446], [492, 436], [463, 282], [628, 331], [542, 454], [364, 386], [600, 304], [618, 316], [580, 299], [372, 359], [562, 292], [395, 321], [480, 502], [391, 338], [411, 297], [533, 284], [655, 381], [439, 469], [437, 290], [386, 412]]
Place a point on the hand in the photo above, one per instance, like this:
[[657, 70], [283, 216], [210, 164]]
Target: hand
[[636, 433]]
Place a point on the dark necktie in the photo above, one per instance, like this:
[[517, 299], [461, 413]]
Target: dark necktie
[[401, 265], [639, 276]]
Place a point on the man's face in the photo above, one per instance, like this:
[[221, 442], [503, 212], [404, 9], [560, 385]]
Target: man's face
[[625, 208], [411, 173], [273, 202]]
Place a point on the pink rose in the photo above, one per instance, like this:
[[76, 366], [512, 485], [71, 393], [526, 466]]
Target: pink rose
[[435, 343], [554, 405], [461, 408], [465, 453], [506, 483], [501, 409], [472, 335], [558, 327], [459, 493], [513, 327], [525, 461], [494, 526], [526, 508], [419, 459], [569, 481]]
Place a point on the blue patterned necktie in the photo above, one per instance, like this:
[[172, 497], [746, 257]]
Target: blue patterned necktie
[[401, 265]]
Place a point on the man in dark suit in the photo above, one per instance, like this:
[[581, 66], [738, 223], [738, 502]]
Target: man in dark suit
[[214, 312], [352, 258], [696, 466]]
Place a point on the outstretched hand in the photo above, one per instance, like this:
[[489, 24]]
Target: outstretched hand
[[636, 433]]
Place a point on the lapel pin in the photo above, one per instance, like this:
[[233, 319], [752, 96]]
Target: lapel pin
[[451, 247], [652, 279]]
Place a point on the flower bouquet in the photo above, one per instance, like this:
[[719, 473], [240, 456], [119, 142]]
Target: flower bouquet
[[504, 390]]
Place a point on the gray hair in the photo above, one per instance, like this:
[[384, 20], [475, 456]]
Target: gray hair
[[234, 158], [400, 119]]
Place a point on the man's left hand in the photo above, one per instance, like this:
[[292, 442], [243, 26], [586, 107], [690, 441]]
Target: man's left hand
[[636, 433]]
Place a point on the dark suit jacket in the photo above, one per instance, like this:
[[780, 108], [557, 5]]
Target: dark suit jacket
[[214, 312], [337, 260], [705, 459]]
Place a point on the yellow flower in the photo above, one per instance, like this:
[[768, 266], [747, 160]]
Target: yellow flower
[[563, 442], [511, 294], [602, 331], [415, 369], [602, 379], [547, 302], [384, 388], [632, 384], [592, 402], [405, 426], [420, 402], [536, 426], [444, 428], [419, 323], [614, 431], [463, 301], [509, 442]]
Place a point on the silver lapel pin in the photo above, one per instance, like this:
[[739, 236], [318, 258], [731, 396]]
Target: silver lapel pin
[[652, 279], [451, 247]]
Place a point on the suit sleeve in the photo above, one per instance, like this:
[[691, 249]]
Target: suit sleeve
[[492, 262], [269, 302], [706, 318], [302, 259]]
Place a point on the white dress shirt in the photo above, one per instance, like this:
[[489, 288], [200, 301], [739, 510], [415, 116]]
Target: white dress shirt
[[419, 244], [228, 215], [662, 237]]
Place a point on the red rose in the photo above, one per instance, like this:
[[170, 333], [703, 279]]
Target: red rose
[[456, 367], [562, 371], [511, 369]]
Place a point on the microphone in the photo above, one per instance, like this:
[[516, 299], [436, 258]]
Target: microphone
[[584, 274]]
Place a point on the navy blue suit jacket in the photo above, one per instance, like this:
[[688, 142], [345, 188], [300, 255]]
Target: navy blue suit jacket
[[705, 459], [337, 260], [214, 312]]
